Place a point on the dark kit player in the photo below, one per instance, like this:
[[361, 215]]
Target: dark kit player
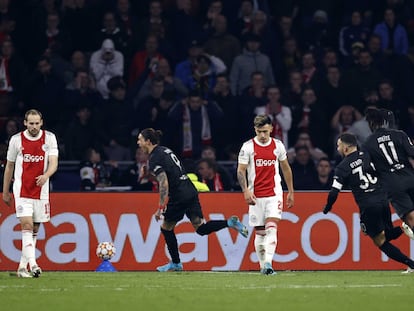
[[375, 214], [178, 197], [390, 151]]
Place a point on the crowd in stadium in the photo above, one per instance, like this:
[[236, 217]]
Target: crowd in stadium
[[100, 71]]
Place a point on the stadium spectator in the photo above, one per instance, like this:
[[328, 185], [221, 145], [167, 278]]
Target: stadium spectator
[[208, 170], [215, 8], [154, 18], [310, 73], [105, 64], [127, 22], [184, 68], [221, 43], [82, 20], [81, 133], [310, 116], [341, 122], [356, 31], [78, 61], [197, 121], [249, 61], [45, 93], [210, 153], [171, 84], [94, 173], [280, 115], [393, 35], [304, 169], [293, 91], [252, 97], [229, 129], [290, 60], [333, 93], [116, 117], [203, 78], [325, 177], [11, 126], [184, 27], [137, 175], [13, 73], [150, 55], [111, 30], [243, 24], [305, 140], [361, 78]]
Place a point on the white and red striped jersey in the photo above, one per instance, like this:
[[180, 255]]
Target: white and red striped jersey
[[263, 166], [31, 155]]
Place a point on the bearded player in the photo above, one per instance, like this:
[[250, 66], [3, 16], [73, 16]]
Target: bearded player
[[33, 156]]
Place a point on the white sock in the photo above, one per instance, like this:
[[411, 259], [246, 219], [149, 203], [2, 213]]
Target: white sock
[[34, 239], [270, 241], [259, 240], [28, 249]]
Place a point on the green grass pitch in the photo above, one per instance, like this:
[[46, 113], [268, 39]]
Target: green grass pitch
[[181, 291]]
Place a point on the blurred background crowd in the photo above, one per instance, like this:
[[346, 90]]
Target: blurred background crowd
[[200, 70]]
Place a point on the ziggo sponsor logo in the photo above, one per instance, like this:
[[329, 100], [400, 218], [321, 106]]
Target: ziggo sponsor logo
[[262, 162], [32, 158]]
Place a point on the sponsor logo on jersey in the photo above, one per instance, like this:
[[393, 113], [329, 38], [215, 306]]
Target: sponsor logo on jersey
[[32, 158], [263, 162]]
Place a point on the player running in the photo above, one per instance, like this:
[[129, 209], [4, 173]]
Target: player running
[[178, 197]]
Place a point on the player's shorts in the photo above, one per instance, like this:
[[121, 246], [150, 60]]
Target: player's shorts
[[268, 207], [176, 210], [375, 219], [38, 209]]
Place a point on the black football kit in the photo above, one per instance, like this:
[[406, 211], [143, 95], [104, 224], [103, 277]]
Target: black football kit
[[389, 150], [375, 215], [183, 196]]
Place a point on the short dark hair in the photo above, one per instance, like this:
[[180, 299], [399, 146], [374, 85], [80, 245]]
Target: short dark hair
[[154, 136], [349, 139]]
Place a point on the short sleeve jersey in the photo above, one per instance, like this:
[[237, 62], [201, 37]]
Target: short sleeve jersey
[[389, 150], [263, 166], [162, 159], [31, 156], [365, 187]]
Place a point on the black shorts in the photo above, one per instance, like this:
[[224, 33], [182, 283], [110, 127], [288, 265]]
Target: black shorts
[[375, 219], [176, 210]]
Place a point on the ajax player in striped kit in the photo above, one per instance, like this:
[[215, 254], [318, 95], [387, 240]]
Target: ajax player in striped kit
[[260, 158], [33, 156]]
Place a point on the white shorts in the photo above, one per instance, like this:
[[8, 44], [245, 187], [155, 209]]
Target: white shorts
[[38, 209], [268, 207]]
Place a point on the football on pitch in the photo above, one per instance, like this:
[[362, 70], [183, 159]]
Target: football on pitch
[[105, 250]]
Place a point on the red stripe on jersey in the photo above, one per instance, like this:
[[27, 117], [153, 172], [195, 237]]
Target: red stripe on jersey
[[33, 166], [265, 162]]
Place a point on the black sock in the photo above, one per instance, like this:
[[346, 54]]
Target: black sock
[[211, 226], [393, 233], [395, 253], [172, 245]]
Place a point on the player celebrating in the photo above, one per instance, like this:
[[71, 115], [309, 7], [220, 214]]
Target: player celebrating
[[390, 151], [33, 156], [260, 158], [375, 215], [178, 197]]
